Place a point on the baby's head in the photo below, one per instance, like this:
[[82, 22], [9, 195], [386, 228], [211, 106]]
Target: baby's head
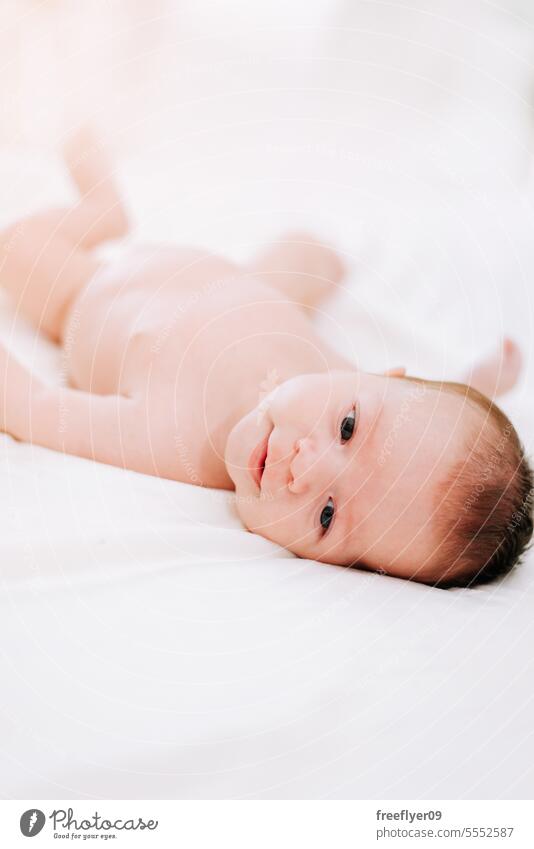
[[417, 479]]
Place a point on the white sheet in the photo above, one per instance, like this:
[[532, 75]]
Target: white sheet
[[152, 648]]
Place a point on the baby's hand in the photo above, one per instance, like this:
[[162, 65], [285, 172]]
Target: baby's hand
[[18, 390], [302, 267], [321, 262], [499, 372]]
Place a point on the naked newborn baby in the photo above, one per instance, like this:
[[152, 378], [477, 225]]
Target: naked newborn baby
[[184, 365]]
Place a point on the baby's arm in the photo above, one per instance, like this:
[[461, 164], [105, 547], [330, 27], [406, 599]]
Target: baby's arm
[[301, 267], [107, 428]]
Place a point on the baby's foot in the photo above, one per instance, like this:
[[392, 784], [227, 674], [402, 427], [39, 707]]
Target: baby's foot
[[499, 372], [92, 172]]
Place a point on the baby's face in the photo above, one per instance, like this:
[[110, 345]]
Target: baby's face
[[343, 467]]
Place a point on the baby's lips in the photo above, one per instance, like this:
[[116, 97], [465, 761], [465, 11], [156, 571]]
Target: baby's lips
[[256, 463]]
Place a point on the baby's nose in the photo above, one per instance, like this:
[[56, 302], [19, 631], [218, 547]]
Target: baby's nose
[[302, 465]]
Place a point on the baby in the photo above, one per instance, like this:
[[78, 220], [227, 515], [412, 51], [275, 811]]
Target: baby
[[184, 365]]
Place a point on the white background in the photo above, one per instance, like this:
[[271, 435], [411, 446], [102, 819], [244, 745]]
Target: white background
[[149, 647]]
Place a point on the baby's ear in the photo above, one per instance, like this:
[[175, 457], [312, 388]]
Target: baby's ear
[[398, 371]]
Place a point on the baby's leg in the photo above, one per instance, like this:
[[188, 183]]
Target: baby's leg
[[106, 428], [42, 268], [499, 372], [301, 267], [92, 172], [45, 259]]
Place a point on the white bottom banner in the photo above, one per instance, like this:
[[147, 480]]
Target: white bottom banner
[[266, 824]]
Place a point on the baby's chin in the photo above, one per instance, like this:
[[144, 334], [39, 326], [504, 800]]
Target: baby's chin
[[237, 445], [230, 451]]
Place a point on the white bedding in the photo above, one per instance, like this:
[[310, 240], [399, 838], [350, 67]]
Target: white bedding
[[149, 646]]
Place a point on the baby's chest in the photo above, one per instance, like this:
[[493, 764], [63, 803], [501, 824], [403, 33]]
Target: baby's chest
[[204, 369], [223, 351]]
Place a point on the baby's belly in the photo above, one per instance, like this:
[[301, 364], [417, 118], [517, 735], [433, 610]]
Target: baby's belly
[[129, 314]]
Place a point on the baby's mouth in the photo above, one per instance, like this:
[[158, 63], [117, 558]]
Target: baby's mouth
[[256, 463]]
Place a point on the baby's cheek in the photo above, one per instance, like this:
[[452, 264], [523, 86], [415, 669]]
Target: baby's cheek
[[251, 512], [257, 517], [285, 530], [272, 521]]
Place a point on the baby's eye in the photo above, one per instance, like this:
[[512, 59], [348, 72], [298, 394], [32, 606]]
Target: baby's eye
[[347, 426], [327, 514]]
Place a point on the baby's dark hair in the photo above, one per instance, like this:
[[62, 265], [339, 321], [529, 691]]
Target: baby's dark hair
[[483, 507]]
